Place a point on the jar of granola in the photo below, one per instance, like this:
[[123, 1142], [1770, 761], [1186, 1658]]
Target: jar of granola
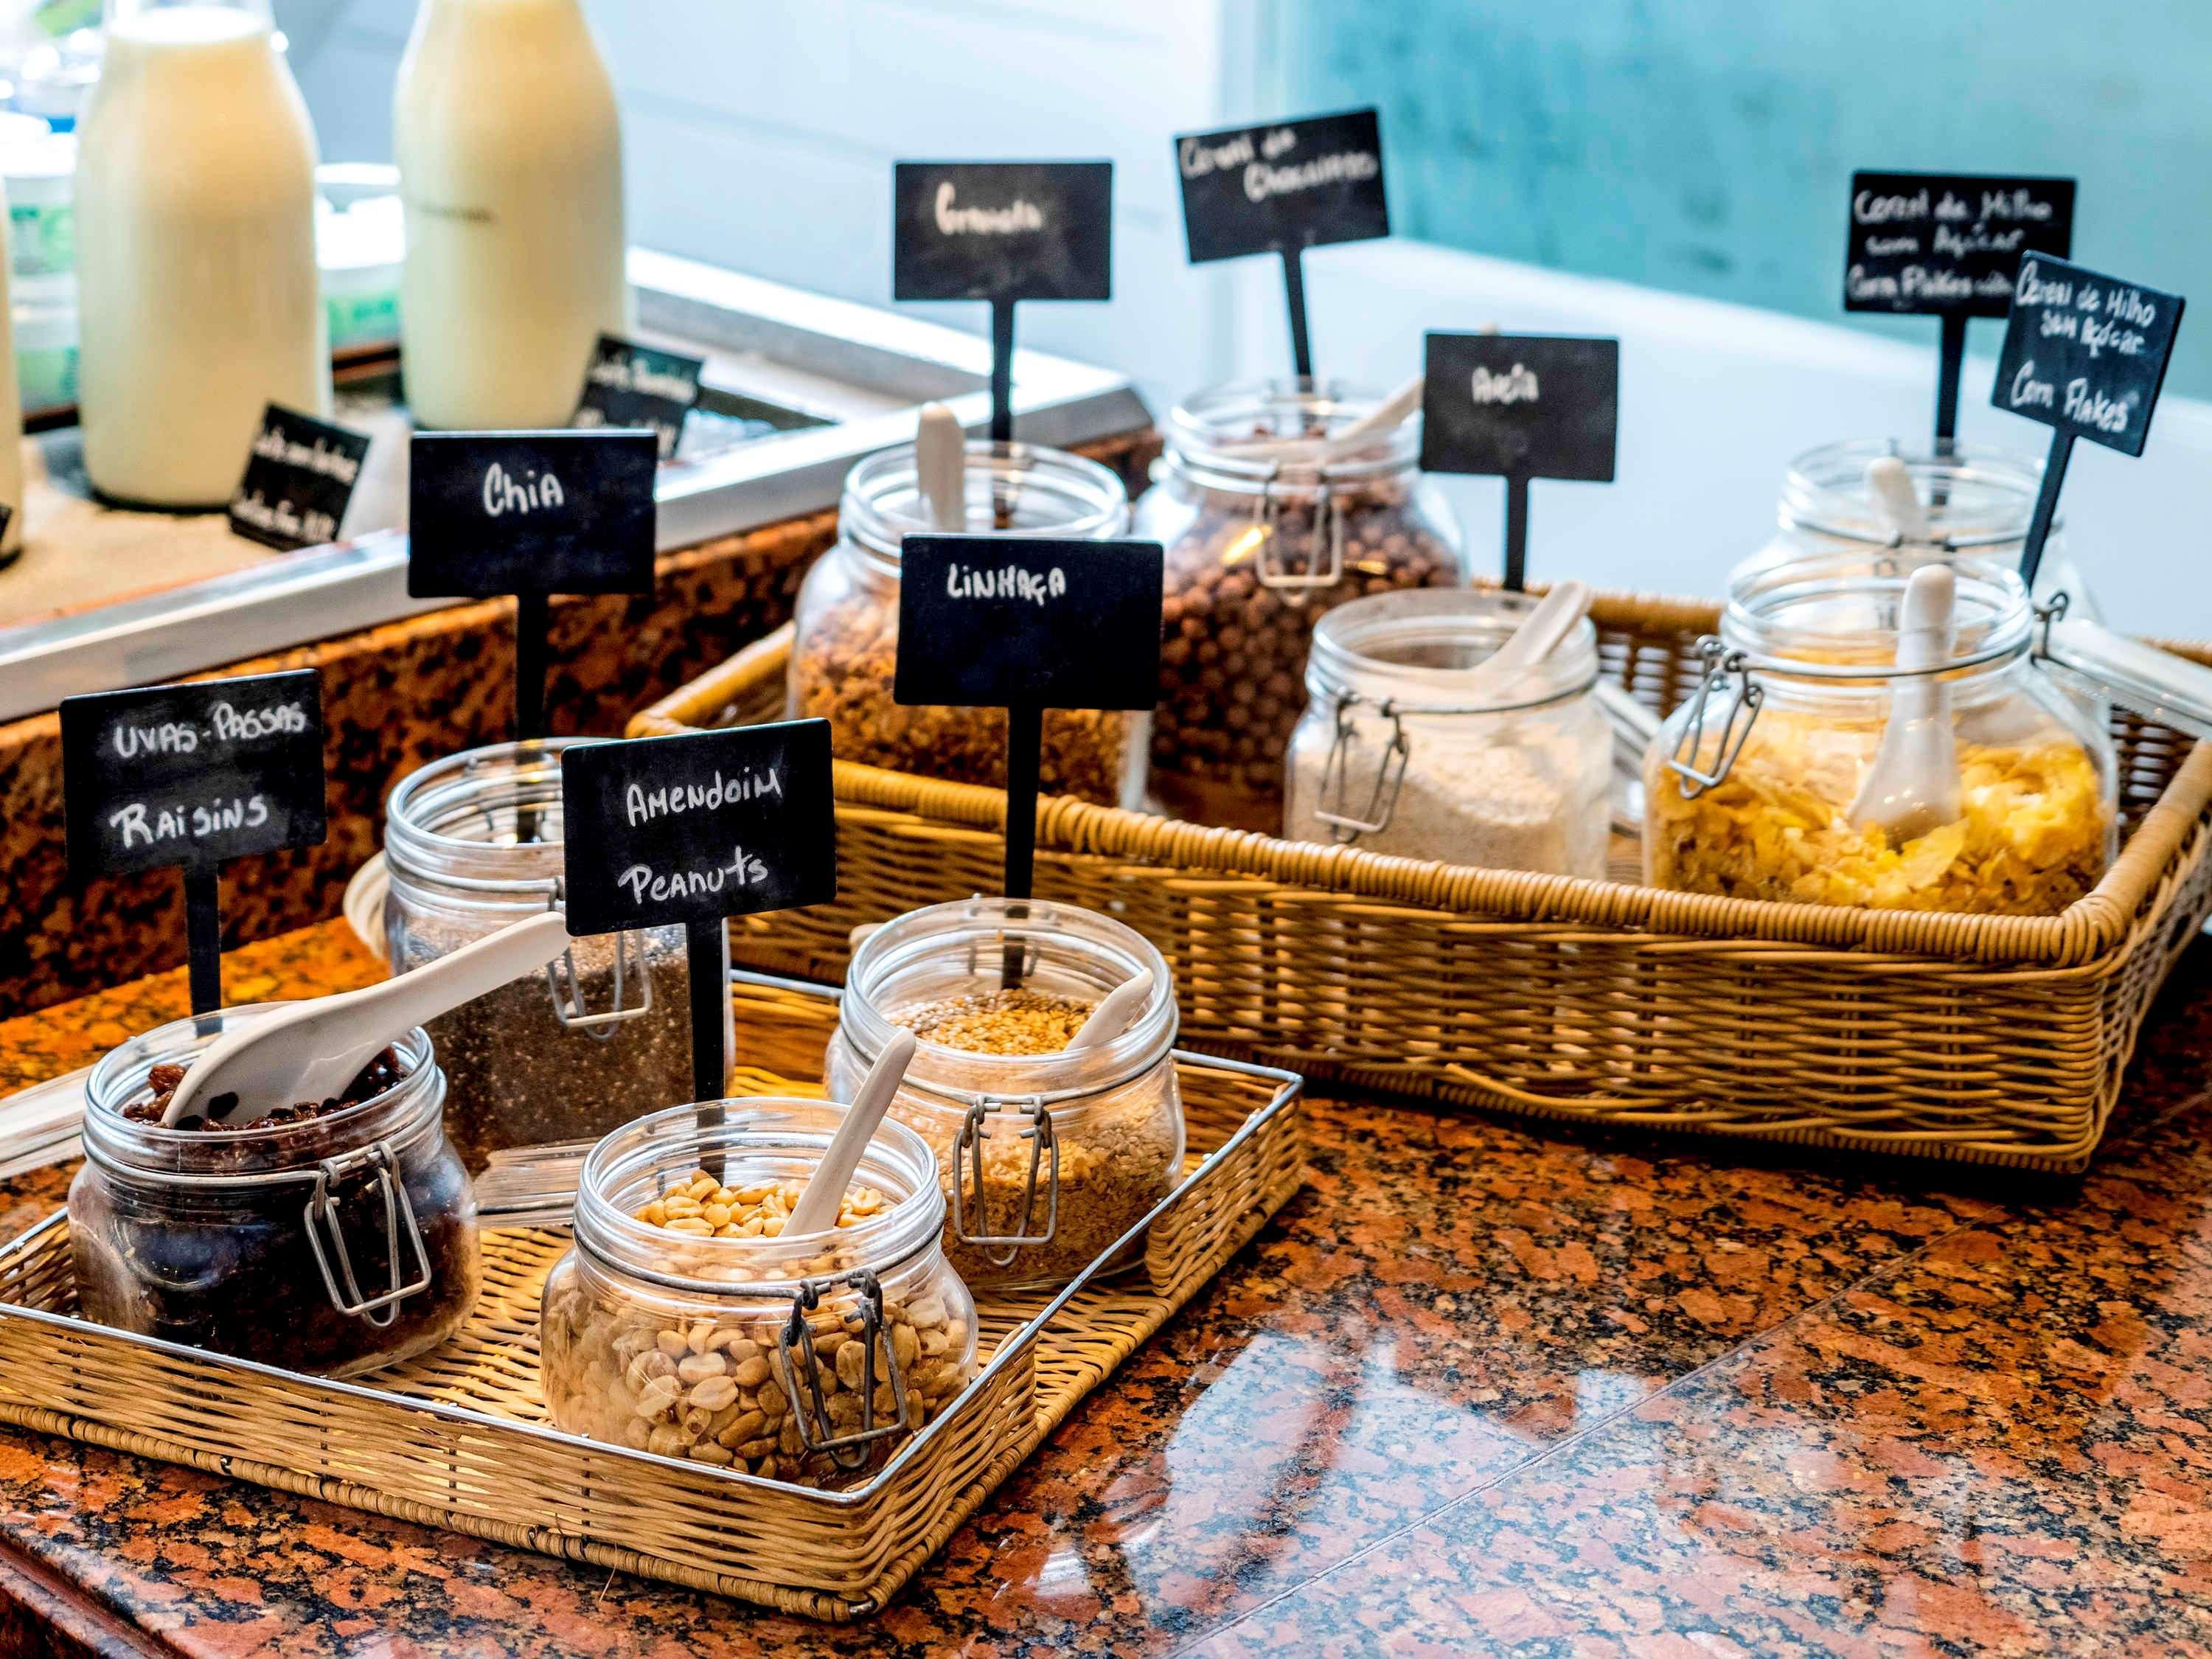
[[845, 643], [1264, 534], [1048, 1155], [333, 1237], [1750, 783], [685, 1322]]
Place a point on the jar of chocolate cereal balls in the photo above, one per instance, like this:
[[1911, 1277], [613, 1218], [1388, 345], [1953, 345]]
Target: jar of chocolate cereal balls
[[686, 1322], [845, 635], [1264, 535]]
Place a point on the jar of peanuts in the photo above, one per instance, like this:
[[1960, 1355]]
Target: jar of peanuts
[[1265, 532], [845, 644], [1050, 1155], [687, 1323]]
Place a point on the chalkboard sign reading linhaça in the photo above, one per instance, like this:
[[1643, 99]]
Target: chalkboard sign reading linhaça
[[493, 513], [1002, 230], [2086, 353], [629, 385], [299, 476], [1282, 185], [1933, 243]]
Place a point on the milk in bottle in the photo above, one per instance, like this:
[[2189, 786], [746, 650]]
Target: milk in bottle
[[510, 170], [11, 417], [196, 250]]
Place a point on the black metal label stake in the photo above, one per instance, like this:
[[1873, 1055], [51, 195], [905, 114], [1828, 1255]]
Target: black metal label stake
[[2085, 353], [694, 829], [1521, 406], [193, 775], [1948, 245], [299, 477], [1002, 231], [1281, 188], [532, 514], [632, 386], [1026, 624]]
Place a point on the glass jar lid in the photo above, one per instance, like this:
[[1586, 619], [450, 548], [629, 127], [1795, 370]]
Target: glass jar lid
[[1416, 652], [1974, 497], [1259, 437], [486, 822], [1011, 489]]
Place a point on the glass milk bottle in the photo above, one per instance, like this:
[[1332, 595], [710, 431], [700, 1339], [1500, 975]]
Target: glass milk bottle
[[510, 171], [196, 250], [11, 417]]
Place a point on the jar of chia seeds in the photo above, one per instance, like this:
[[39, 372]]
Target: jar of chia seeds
[[600, 1036], [1050, 1156]]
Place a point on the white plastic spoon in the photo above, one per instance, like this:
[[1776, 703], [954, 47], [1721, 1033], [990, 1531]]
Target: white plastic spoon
[[1891, 486], [1114, 1012], [1385, 418], [1912, 786], [940, 466], [1556, 616], [312, 1050], [817, 1209]]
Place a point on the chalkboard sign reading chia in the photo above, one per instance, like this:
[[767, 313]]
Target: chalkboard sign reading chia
[[629, 385], [1948, 245], [692, 830], [2086, 354], [530, 514], [299, 476], [1521, 406], [1002, 231], [191, 775], [1280, 188]]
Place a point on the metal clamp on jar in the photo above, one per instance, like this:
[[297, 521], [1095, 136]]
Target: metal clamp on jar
[[333, 1244], [1391, 756], [1049, 1157], [798, 1357], [603, 1034]]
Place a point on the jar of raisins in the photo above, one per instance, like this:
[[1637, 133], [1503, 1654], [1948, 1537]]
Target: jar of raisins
[[1265, 534]]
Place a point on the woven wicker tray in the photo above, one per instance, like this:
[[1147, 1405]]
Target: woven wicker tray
[[1997, 1039], [459, 1438]]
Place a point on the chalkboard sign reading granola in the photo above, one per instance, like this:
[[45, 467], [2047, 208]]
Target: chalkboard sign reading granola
[[493, 513], [699, 827], [629, 385], [1283, 185], [2086, 353], [299, 474], [996, 621], [1002, 230], [193, 774], [1931, 243], [1521, 406]]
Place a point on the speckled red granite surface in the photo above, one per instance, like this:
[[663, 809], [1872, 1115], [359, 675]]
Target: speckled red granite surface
[[1479, 1390]]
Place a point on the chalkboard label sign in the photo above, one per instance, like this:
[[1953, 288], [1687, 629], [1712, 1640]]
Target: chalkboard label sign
[[629, 385], [996, 621], [1002, 230], [193, 774], [1521, 405], [1927, 244], [299, 476], [1283, 184], [694, 828], [492, 512], [2086, 353]]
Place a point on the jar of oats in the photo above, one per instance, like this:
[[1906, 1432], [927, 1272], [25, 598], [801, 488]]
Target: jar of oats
[[1048, 1155], [686, 1322], [1264, 535], [845, 644]]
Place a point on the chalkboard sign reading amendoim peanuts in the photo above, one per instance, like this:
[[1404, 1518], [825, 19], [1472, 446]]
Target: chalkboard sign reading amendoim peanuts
[[2086, 354], [493, 513], [193, 774], [1929, 244]]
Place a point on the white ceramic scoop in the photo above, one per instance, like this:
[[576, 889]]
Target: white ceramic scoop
[[1379, 421], [940, 466], [1912, 786], [1890, 484], [1555, 616], [312, 1050], [817, 1209], [1114, 1012]]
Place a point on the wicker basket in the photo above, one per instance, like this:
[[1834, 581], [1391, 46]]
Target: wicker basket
[[1997, 1039], [459, 1438]]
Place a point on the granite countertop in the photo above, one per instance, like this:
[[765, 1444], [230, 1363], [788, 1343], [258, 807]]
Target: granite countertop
[[1480, 1388]]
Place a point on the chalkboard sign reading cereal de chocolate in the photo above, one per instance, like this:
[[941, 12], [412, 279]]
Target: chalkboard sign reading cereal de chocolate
[[299, 476]]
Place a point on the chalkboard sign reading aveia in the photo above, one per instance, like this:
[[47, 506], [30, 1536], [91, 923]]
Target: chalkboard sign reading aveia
[[299, 476], [191, 776], [629, 385], [530, 514], [694, 829], [2085, 353], [1002, 231], [1281, 188], [1521, 406], [1947, 245]]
